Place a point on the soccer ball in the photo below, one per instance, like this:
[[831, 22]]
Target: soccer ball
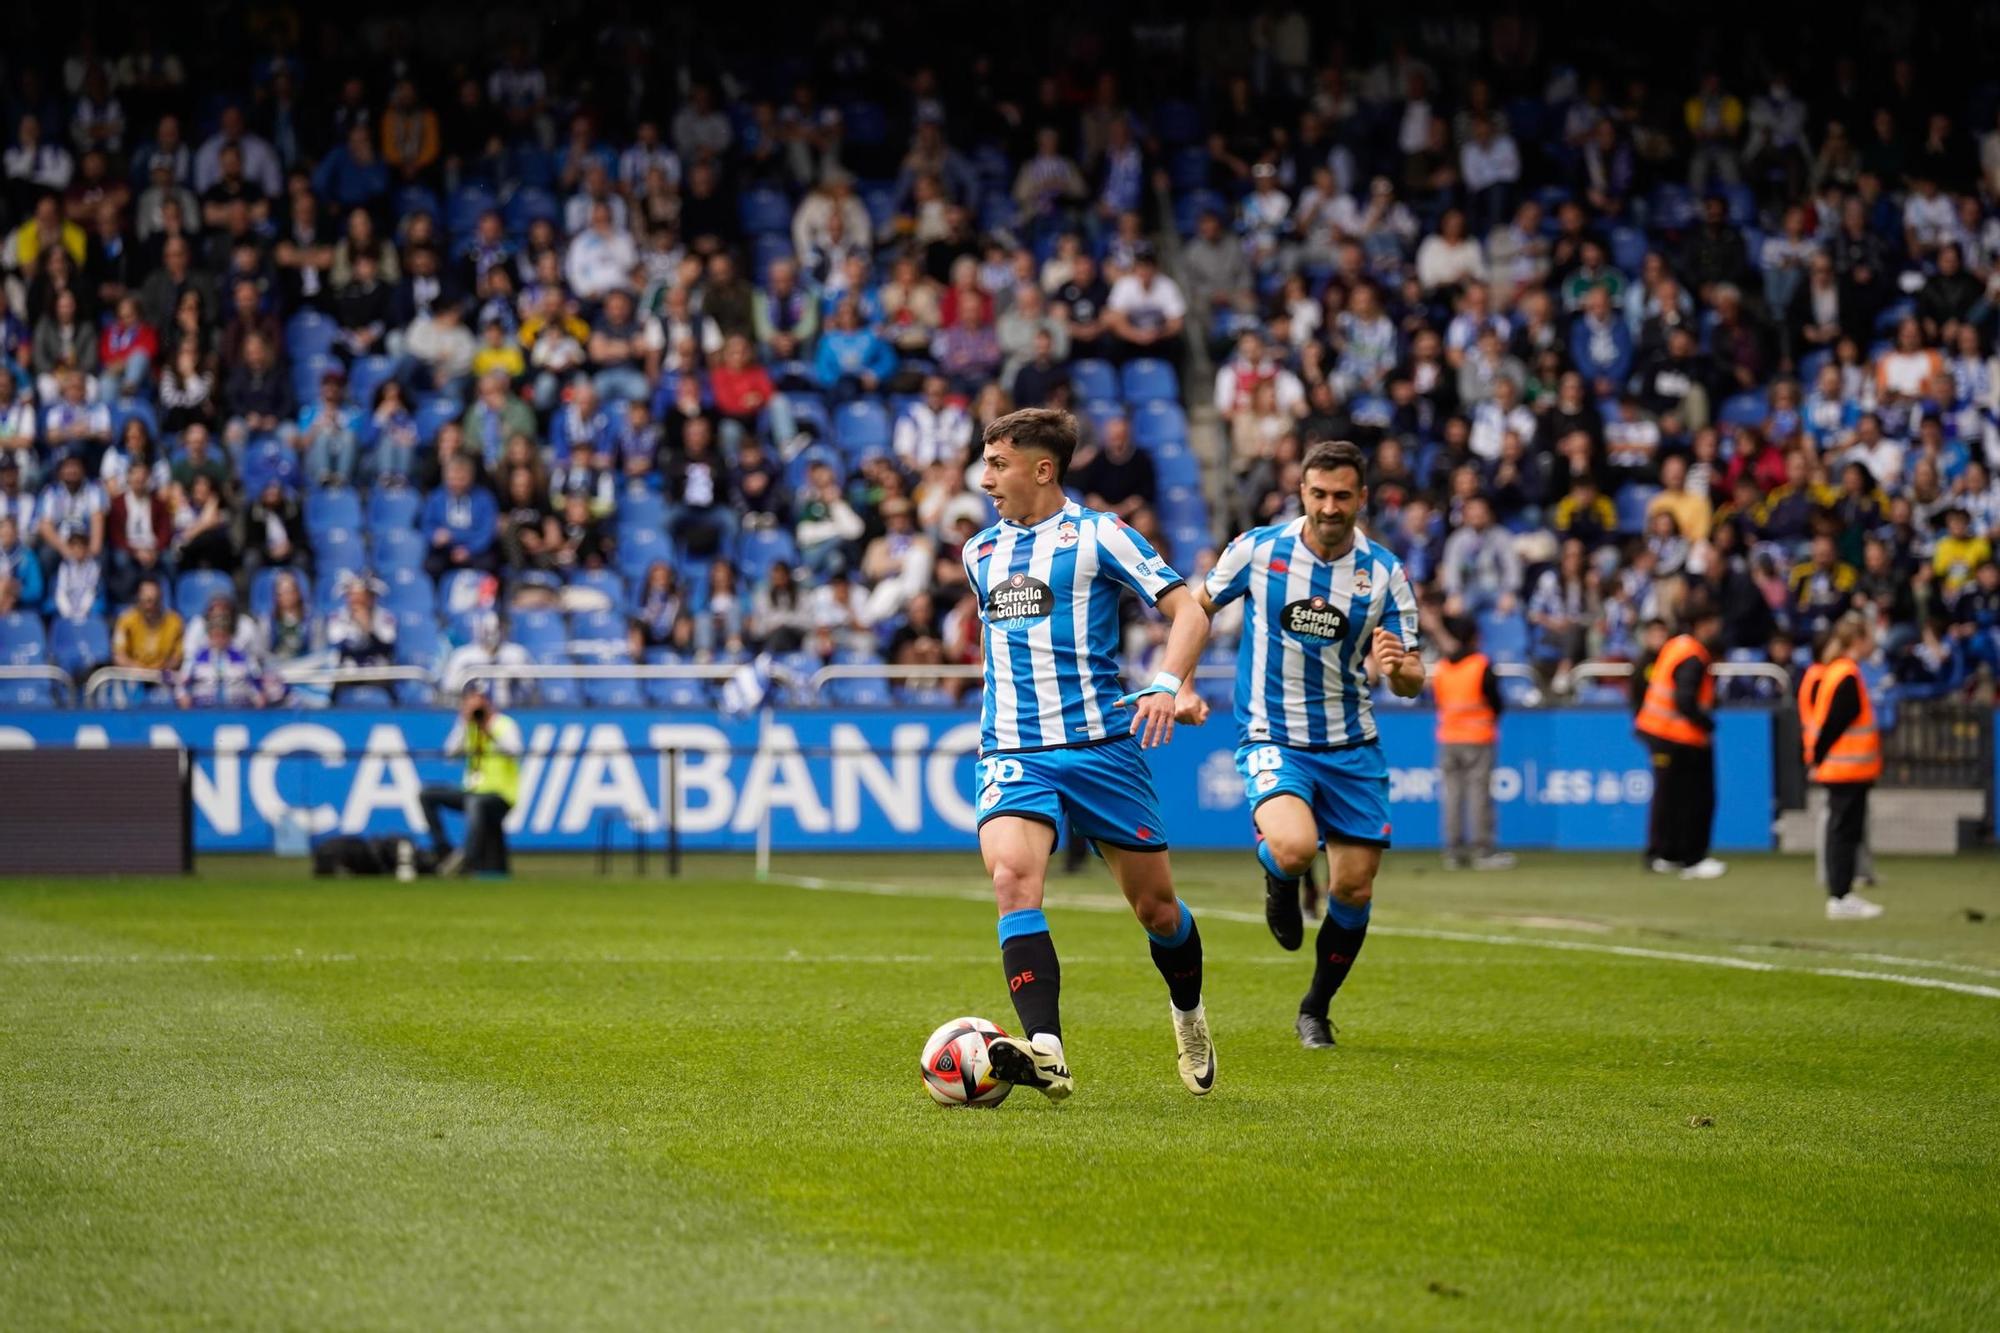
[[957, 1071]]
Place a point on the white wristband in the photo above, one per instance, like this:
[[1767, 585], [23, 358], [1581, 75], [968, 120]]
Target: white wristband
[[1169, 681]]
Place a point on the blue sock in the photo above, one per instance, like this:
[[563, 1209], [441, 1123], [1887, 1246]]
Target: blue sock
[[1270, 864]]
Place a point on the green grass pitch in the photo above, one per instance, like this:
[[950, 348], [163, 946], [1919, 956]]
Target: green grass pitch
[[1568, 1095]]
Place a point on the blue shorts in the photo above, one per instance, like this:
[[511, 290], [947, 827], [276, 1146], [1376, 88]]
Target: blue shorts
[[1347, 790], [1105, 790]]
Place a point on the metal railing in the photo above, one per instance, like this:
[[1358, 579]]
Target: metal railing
[[1939, 744], [54, 675], [105, 679]]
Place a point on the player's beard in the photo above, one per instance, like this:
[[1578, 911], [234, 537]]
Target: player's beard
[[1331, 532]]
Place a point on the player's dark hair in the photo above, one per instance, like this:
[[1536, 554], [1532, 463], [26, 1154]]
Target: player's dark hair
[[1328, 455], [1046, 428]]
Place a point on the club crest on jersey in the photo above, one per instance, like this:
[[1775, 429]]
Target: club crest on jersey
[[1361, 582], [1314, 619], [1017, 600], [1066, 533]]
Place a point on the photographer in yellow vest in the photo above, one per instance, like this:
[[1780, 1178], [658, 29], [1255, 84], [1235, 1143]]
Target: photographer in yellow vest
[[491, 744], [1844, 756], [1468, 735]]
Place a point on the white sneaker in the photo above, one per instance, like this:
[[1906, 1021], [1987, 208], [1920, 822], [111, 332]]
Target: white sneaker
[[1036, 1063], [1662, 866], [1853, 907], [1706, 868], [1195, 1049], [1494, 861]]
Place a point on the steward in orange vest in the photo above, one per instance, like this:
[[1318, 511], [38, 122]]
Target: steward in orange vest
[[1844, 756], [1468, 730], [1468, 700], [1676, 723]]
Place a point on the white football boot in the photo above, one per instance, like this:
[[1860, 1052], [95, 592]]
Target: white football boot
[[1853, 907], [1195, 1049], [1706, 868], [1036, 1063]]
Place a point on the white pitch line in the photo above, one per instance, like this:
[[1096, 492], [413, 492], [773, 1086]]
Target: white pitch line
[[1450, 936]]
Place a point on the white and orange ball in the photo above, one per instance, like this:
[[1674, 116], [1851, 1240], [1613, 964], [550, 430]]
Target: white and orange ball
[[956, 1068]]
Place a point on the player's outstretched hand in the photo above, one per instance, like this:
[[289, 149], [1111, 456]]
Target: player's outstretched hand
[[1152, 714], [1389, 650], [1190, 708]]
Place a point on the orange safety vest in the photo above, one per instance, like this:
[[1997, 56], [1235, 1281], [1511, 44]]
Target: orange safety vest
[[1808, 709], [1857, 755], [1463, 715], [1659, 716]]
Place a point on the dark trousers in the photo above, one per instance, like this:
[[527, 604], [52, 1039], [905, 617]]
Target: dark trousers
[[485, 839], [1683, 803], [1846, 829]]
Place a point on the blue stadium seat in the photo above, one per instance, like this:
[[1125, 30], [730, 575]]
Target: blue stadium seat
[[1188, 168], [861, 692], [1159, 423], [1150, 379], [802, 462], [614, 693], [1093, 380], [330, 593], [1891, 315], [1174, 465], [1098, 411], [1504, 638], [23, 641], [25, 694], [1631, 502], [1178, 122], [766, 211], [269, 460], [638, 547], [1745, 409], [338, 551], [309, 334], [607, 581], [393, 507], [606, 628], [414, 199], [194, 590], [410, 592], [879, 198], [1628, 248], [417, 641], [640, 509], [332, 507], [996, 212], [366, 696], [865, 124], [131, 409], [540, 632], [528, 205], [262, 596], [466, 204], [432, 416], [766, 250], [79, 646], [365, 377], [758, 550], [306, 374], [860, 426]]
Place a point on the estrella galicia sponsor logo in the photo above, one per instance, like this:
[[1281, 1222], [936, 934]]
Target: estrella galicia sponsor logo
[[1017, 600], [1314, 619]]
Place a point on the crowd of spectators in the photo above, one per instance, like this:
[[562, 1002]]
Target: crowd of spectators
[[395, 361]]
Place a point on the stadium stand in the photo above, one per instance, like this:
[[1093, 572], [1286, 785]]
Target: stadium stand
[[1721, 314]]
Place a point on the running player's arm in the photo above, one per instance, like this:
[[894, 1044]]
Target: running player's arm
[[1395, 645], [1128, 558]]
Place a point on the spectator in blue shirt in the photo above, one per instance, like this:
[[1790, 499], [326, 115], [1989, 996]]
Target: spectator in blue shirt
[[352, 175], [1601, 345], [852, 360], [462, 520]]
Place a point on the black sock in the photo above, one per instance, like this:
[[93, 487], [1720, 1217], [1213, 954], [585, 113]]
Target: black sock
[[1178, 956], [1034, 978], [1340, 937]]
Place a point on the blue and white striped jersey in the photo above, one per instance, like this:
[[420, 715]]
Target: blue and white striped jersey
[[1048, 597], [1301, 673]]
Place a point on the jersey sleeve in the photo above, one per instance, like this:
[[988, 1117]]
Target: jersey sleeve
[[1131, 560], [1402, 604], [1230, 579]]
